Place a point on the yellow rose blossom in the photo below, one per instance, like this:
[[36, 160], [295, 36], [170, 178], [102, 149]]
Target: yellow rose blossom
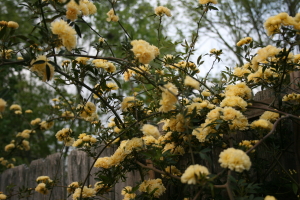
[[65, 32], [150, 130], [234, 159], [12, 24], [72, 187], [161, 11], [111, 17], [41, 188], [9, 147], [189, 81], [262, 123], [244, 41], [194, 174], [143, 51], [85, 193]]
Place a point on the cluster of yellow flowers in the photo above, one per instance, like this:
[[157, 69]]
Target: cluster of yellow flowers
[[75, 188], [274, 23], [6, 54], [186, 65], [244, 41], [44, 69], [150, 130], [234, 159], [262, 124], [172, 170], [85, 193], [44, 182], [111, 16], [104, 64], [84, 7], [270, 116], [291, 97], [194, 174], [9, 24], [143, 51], [44, 125], [25, 133], [24, 145], [137, 71], [110, 86], [129, 102], [65, 32], [17, 108], [88, 111], [128, 194], [150, 185], [169, 97], [161, 11], [126, 147], [248, 143], [86, 139], [65, 136], [256, 70], [6, 163]]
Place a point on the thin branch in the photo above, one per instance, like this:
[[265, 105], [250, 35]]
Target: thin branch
[[157, 170], [268, 135]]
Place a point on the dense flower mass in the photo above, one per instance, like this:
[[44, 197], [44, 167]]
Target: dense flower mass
[[41, 188], [194, 174], [65, 136], [151, 185], [84, 7], [65, 32], [128, 194], [85, 193], [234, 159], [143, 51], [150, 130], [274, 23]]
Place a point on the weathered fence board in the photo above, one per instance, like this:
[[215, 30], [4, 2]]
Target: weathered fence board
[[26, 176]]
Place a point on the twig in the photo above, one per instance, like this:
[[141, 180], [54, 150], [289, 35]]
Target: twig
[[270, 133], [157, 170]]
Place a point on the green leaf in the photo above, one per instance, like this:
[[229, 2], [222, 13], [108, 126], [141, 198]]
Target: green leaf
[[77, 29], [48, 72], [2, 32], [295, 188], [38, 62]]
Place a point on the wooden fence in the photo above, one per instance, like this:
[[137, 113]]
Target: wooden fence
[[67, 170]]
